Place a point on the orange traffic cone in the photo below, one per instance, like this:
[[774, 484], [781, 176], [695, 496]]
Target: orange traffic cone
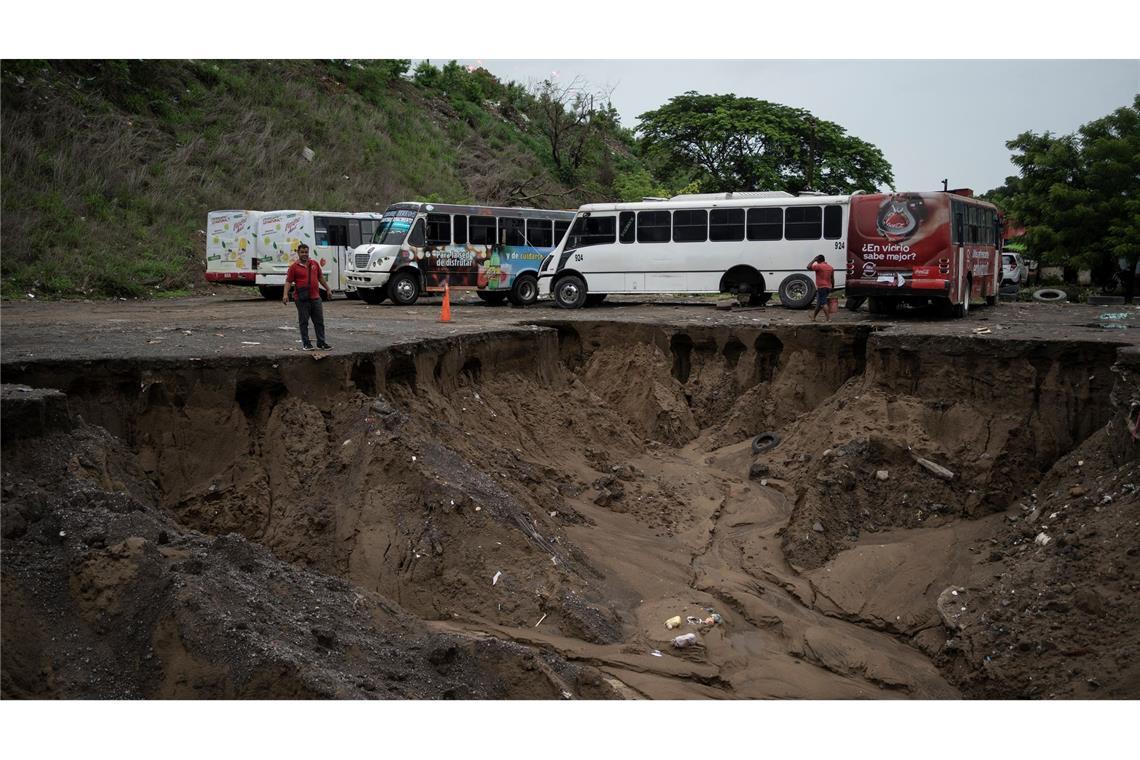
[[445, 310]]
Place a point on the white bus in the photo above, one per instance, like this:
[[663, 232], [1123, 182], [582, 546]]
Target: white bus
[[752, 244], [331, 236], [231, 246], [420, 247]]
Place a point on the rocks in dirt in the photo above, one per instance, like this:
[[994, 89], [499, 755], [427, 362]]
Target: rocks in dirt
[[609, 489], [951, 606], [818, 527], [758, 470], [1042, 539], [1089, 601], [326, 637], [937, 469], [1077, 491], [882, 475]]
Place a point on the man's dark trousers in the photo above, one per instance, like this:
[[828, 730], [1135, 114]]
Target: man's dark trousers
[[310, 307]]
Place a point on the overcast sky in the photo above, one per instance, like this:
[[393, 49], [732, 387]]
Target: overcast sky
[[931, 119]]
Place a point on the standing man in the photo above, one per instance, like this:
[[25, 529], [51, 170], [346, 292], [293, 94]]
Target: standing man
[[306, 274], [824, 282]]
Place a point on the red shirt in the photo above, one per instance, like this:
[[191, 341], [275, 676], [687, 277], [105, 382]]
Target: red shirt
[[823, 276], [306, 277]]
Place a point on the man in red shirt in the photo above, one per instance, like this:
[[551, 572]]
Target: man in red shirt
[[306, 274], [824, 282]]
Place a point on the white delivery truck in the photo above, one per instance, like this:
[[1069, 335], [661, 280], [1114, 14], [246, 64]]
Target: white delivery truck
[[330, 235], [231, 246]]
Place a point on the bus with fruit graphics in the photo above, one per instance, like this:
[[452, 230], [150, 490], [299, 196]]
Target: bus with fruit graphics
[[231, 243], [421, 247], [330, 235], [920, 249]]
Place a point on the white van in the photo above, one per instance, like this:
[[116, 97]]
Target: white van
[[330, 235], [752, 244], [231, 246]]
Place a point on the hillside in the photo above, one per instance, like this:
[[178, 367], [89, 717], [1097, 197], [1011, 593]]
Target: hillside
[[109, 167]]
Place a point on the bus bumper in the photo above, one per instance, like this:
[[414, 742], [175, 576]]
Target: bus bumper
[[232, 278], [544, 281], [926, 287], [274, 280], [367, 279]]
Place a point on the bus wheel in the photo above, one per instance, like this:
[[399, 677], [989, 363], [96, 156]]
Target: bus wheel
[[494, 299], [593, 299], [796, 291], [404, 288], [373, 296], [525, 290], [570, 292], [271, 292], [854, 302]]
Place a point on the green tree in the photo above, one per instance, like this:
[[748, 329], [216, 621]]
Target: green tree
[[1076, 194], [749, 144]]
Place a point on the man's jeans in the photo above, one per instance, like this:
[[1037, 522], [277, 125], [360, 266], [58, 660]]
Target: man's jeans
[[306, 308]]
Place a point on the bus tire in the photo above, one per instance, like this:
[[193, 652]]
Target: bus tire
[[271, 292], [1050, 295], [373, 296], [524, 291], [491, 298], [797, 291], [404, 288], [570, 292], [853, 303], [765, 442]]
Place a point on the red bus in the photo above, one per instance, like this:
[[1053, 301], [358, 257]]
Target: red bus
[[940, 248]]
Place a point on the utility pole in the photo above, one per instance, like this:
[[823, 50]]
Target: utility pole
[[945, 184]]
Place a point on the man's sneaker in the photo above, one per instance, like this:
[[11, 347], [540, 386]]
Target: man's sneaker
[[307, 348], [324, 346]]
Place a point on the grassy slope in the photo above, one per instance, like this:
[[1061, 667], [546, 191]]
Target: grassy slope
[[109, 168]]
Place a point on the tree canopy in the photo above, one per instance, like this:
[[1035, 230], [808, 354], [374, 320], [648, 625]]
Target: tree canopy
[[731, 143], [1076, 194]]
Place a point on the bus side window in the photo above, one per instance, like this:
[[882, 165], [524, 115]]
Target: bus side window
[[626, 231], [513, 230], [560, 230], [803, 223], [832, 222], [418, 236], [353, 233], [726, 224], [322, 235], [690, 226], [459, 229], [959, 225], [653, 226], [438, 229], [765, 223], [482, 230], [538, 233]]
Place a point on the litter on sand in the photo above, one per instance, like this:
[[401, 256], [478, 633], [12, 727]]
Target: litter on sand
[[536, 625], [673, 622], [685, 640], [496, 578]]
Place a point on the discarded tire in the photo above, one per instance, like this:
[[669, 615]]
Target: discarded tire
[[764, 442], [1050, 295]]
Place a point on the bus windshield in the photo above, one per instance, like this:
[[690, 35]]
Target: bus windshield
[[394, 226], [592, 230]]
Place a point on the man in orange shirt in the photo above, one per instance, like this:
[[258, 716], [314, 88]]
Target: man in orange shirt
[[824, 282], [306, 274]]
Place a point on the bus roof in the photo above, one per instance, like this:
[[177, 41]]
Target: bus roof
[[450, 208], [686, 203]]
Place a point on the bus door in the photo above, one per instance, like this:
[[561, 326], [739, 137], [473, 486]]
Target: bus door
[[332, 248], [958, 248]]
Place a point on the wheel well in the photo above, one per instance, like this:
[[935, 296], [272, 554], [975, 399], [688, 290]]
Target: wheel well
[[415, 273], [742, 274], [566, 273]]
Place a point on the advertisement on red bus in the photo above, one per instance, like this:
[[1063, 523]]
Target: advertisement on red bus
[[921, 249]]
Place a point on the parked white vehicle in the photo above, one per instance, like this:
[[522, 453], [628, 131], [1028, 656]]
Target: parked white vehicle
[[752, 244], [231, 246], [1013, 269], [331, 236]]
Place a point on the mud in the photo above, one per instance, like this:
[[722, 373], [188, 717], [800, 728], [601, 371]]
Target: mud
[[516, 513]]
